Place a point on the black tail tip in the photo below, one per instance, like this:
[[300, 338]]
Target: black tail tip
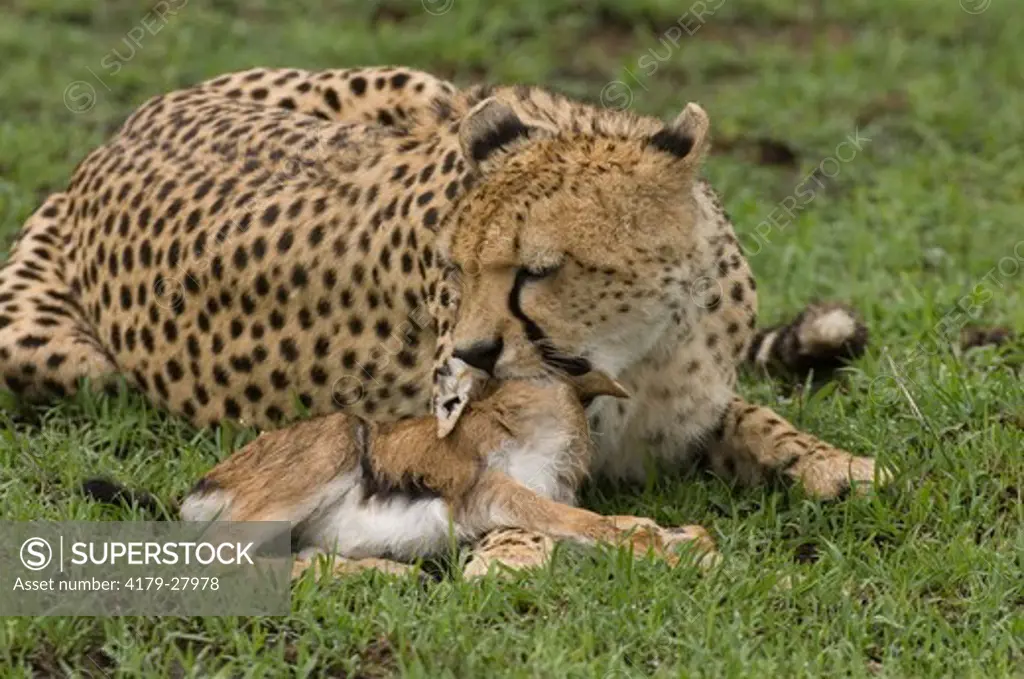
[[104, 490], [112, 493]]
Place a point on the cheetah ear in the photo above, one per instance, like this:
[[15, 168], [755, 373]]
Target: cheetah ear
[[489, 127], [687, 138]]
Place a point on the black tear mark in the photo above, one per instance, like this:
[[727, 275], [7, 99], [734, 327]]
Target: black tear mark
[[571, 365]]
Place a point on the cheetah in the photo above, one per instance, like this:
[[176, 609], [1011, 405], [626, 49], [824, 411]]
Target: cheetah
[[274, 244], [361, 491]]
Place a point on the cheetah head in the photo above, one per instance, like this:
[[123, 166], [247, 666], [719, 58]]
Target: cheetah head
[[573, 250]]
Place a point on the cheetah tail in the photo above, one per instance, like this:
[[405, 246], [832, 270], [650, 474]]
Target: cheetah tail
[[823, 337]]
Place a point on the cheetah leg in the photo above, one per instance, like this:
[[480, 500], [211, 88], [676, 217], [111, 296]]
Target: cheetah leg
[[753, 442], [317, 561], [535, 522], [823, 337], [46, 346]]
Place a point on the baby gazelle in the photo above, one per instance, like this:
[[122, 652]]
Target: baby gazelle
[[366, 491]]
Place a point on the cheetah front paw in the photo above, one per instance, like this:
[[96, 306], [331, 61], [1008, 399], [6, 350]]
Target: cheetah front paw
[[695, 538], [645, 536], [829, 473], [508, 550]]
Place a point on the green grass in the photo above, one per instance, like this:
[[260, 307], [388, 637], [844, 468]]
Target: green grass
[[924, 579]]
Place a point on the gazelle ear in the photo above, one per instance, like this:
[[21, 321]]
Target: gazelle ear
[[456, 383], [595, 383], [687, 138], [489, 127]]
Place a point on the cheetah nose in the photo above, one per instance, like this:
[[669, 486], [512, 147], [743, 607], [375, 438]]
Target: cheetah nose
[[481, 355]]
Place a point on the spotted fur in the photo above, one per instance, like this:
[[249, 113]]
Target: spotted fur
[[274, 243]]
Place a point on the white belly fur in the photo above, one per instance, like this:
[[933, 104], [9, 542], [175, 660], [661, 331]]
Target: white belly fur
[[394, 526], [541, 462], [399, 527]]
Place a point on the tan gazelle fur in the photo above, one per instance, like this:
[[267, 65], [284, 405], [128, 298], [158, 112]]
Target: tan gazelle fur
[[365, 491]]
